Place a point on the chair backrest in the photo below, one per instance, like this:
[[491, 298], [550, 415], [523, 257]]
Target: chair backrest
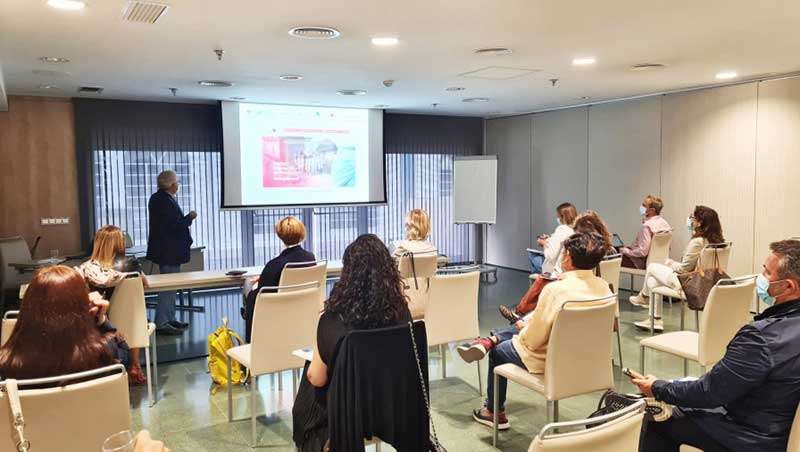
[[619, 433], [452, 312], [128, 313], [659, 247], [283, 322], [723, 256], [424, 264], [610, 268], [727, 309], [295, 273], [794, 433], [579, 350], [77, 415], [13, 249], [7, 326]]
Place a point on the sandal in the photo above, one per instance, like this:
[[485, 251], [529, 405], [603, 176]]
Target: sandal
[[136, 377], [509, 314]]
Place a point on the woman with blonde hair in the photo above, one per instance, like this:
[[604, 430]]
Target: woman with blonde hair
[[106, 269], [418, 231]]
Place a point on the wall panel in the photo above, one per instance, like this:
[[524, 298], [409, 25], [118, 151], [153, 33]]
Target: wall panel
[[558, 166], [708, 154], [777, 201], [624, 161], [510, 140]]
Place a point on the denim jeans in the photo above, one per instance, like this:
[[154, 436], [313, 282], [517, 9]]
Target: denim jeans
[[536, 262], [165, 309], [502, 353]]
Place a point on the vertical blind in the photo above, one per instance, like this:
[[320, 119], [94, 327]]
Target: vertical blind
[[122, 146]]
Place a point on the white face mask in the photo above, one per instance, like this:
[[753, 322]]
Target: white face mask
[[558, 221], [642, 210]]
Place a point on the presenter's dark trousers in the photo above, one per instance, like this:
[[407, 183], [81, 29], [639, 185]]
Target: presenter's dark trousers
[[681, 428], [165, 309]]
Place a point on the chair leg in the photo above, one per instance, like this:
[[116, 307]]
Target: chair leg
[[495, 407], [619, 347], [253, 390], [685, 367], [378, 446], [652, 300], [552, 411], [279, 376], [230, 391], [155, 366], [442, 349], [294, 384], [641, 360], [697, 320], [149, 376], [683, 315], [480, 381]]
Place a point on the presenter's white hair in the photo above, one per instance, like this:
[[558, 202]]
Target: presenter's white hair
[[166, 178]]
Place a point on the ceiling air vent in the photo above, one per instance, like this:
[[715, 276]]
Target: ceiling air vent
[[144, 12], [314, 32], [90, 89]]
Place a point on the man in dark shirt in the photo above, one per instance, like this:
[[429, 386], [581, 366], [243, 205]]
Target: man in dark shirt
[[168, 245], [291, 231], [748, 400]]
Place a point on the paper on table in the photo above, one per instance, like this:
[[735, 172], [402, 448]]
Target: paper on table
[[304, 353]]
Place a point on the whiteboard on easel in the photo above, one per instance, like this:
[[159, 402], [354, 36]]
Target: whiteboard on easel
[[475, 189]]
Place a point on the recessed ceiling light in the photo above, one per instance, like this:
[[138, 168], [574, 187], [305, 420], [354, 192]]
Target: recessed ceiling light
[[238, 98], [72, 5], [50, 59], [47, 86], [646, 66], [291, 77], [454, 88], [312, 32], [351, 92], [494, 51], [381, 106], [385, 41], [215, 83], [583, 61], [727, 75], [475, 99]]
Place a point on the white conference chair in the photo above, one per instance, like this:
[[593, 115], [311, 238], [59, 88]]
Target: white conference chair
[[659, 252], [417, 269], [727, 310], [128, 313], [619, 432], [69, 413], [452, 313], [610, 268], [7, 326], [283, 322], [710, 256], [577, 356], [295, 273]]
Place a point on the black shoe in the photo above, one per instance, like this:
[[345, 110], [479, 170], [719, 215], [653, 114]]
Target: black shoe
[[243, 312], [509, 314], [178, 324], [168, 330]]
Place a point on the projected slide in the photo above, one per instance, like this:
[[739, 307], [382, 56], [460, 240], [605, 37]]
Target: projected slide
[[290, 155]]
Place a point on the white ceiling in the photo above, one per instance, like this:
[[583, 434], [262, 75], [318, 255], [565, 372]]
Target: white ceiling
[[695, 39]]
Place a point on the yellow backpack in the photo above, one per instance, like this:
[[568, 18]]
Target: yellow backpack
[[218, 344]]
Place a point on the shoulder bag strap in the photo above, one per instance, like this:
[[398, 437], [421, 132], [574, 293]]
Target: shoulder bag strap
[[434, 438], [410, 256], [12, 390]]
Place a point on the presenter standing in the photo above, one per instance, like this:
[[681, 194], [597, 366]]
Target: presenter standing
[[168, 245]]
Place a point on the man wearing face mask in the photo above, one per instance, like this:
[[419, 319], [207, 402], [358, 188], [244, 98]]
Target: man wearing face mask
[[635, 256], [748, 400]]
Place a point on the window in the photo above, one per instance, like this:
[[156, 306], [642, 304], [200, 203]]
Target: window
[[124, 181]]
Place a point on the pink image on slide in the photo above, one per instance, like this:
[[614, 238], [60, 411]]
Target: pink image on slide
[[296, 161]]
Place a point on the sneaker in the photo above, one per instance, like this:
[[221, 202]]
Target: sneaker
[[475, 350], [509, 314], [658, 325], [639, 300], [179, 325], [484, 416]]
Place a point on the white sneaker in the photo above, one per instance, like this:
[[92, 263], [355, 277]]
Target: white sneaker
[[639, 300], [658, 325]]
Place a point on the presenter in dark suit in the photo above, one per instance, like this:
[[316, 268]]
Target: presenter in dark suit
[[291, 231], [168, 245]]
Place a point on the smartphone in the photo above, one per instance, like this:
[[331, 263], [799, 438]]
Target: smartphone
[[631, 373], [548, 276]]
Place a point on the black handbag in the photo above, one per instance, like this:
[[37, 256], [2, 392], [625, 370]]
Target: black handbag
[[613, 401]]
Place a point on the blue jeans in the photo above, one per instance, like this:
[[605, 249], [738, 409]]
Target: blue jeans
[[502, 353], [536, 262], [165, 309]]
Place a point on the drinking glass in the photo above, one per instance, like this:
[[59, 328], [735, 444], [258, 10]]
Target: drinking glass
[[119, 442]]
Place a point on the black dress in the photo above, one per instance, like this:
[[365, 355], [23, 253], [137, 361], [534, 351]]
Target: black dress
[[310, 414]]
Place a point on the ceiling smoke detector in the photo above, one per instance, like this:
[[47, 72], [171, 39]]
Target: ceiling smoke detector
[[313, 32], [351, 92], [646, 66], [215, 83], [144, 12], [494, 51]]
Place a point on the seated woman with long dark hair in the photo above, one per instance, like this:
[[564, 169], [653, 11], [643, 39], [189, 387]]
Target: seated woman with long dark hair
[[59, 329], [368, 295]]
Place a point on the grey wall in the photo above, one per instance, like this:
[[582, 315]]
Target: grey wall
[[735, 149]]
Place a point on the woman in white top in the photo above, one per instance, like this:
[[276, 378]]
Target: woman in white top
[[704, 226], [549, 261], [418, 229]]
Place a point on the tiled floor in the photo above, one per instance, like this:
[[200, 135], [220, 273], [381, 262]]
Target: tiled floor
[[189, 418]]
